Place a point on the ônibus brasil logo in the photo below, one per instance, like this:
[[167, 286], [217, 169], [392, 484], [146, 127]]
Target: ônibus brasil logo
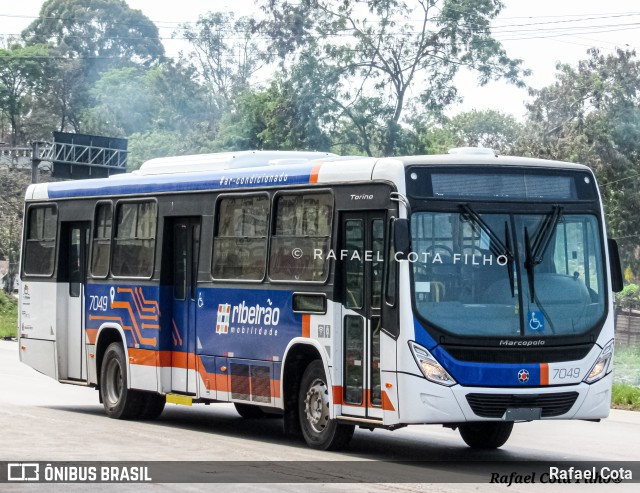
[[523, 376], [244, 319]]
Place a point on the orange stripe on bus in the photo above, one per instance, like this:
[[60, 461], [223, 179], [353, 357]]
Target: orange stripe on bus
[[91, 335], [314, 173], [306, 325], [337, 394], [386, 403], [544, 374]]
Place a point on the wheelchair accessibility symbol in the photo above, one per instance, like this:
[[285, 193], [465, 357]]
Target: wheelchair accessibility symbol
[[536, 321]]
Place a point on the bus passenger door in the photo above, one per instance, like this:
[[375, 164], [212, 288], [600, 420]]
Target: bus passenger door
[[363, 241], [186, 247], [73, 258]]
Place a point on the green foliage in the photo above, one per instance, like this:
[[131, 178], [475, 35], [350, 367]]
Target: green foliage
[[591, 115], [277, 118], [373, 58], [138, 100], [626, 365], [625, 397], [8, 315], [106, 32], [487, 128], [158, 143], [88, 37], [22, 71], [225, 62], [628, 297]]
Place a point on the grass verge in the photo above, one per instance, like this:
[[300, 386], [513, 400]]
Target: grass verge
[[625, 397], [626, 365], [8, 315]]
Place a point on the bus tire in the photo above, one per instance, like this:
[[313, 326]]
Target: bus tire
[[318, 430], [487, 434], [153, 405], [119, 401], [248, 411]]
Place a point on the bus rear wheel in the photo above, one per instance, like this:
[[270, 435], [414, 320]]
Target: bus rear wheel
[[486, 435], [318, 430], [119, 401]]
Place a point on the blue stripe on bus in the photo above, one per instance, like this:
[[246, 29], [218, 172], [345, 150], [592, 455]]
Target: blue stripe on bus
[[264, 176], [258, 325], [480, 374]]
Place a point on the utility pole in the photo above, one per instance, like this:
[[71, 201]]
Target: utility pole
[[35, 162]]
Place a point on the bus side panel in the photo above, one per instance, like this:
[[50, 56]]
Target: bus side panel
[[36, 327], [38, 310], [39, 355], [136, 310], [389, 380]]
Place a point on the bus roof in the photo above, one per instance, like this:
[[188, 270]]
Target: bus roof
[[261, 169]]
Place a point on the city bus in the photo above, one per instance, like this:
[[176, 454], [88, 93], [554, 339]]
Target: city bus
[[467, 290]]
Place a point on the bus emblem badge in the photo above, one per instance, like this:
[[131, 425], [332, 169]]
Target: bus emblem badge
[[222, 323], [523, 376]]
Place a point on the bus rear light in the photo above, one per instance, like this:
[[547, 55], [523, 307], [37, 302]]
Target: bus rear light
[[23, 347], [431, 369], [602, 364]]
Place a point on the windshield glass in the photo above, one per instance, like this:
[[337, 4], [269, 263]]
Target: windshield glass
[[472, 277]]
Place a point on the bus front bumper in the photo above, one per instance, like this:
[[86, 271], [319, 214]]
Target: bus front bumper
[[421, 401]]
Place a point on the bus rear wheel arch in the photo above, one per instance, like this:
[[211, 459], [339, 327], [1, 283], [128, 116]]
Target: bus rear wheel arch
[[119, 401], [318, 430]]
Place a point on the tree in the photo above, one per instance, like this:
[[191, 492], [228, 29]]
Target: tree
[[225, 53], [88, 38], [591, 115], [487, 128], [21, 73], [276, 118], [106, 32], [13, 185], [158, 143], [383, 55], [138, 100]]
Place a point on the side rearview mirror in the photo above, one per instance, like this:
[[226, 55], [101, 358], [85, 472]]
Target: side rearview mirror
[[614, 266], [401, 238]]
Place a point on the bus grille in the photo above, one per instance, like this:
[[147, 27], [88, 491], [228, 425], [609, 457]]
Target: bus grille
[[483, 354], [495, 405]]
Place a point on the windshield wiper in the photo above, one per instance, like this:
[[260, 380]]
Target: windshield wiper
[[496, 245], [535, 251]]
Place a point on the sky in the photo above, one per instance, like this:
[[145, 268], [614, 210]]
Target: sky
[[541, 33]]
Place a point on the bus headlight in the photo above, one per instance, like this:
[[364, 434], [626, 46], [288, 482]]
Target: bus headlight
[[601, 366], [431, 369]]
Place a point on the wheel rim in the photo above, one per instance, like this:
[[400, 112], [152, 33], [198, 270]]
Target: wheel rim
[[316, 405], [114, 382]]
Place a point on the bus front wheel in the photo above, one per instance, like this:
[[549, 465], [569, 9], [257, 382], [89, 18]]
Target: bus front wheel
[[487, 434], [319, 431], [119, 401]]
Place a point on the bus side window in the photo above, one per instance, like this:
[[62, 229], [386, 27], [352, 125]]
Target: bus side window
[[40, 244], [135, 239], [301, 237], [101, 249], [240, 243]]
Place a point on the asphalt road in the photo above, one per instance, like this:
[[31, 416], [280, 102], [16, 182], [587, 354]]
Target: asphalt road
[[42, 420]]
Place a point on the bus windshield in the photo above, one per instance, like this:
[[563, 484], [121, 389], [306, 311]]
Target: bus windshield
[[508, 274]]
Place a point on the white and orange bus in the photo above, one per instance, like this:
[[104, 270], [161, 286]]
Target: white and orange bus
[[467, 290]]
